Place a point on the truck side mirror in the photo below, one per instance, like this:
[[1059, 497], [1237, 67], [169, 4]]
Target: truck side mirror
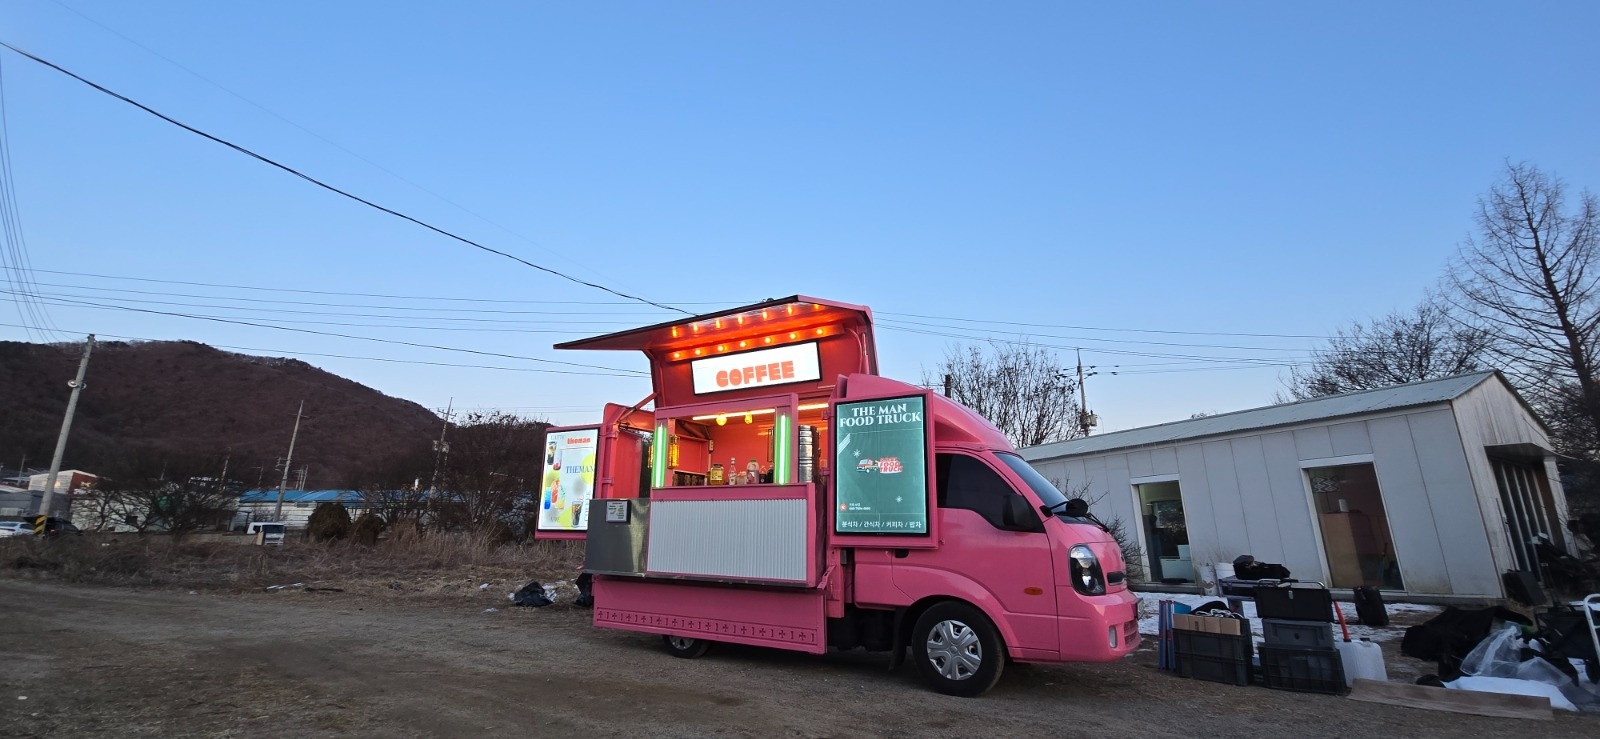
[[1018, 515]]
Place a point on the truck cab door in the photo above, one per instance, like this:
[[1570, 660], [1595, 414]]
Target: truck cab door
[[983, 556]]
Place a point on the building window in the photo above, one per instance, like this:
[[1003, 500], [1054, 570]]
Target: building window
[[131, 520], [1355, 527]]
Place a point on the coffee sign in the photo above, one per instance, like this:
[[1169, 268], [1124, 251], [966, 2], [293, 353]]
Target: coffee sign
[[780, 365]]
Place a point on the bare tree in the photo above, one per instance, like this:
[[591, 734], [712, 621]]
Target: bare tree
[[1024, 390], [1529, 278], [394, 488], [495, 459], [156, 491], [1424, 344]]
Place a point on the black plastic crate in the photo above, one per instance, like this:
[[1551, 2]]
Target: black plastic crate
[[1303, 670], [1303, 634], [1218, 658], [1295, 602]]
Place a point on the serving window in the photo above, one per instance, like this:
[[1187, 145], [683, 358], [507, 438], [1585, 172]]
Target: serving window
[[763, 440]]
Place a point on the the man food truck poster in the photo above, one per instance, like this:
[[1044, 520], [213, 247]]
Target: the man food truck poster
[[882, 478], [568, 480]]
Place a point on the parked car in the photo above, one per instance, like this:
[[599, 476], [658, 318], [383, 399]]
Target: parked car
[[15, 528]]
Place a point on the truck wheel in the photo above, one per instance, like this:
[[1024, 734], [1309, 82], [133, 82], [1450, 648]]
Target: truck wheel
[[958, 649], [686, 647]]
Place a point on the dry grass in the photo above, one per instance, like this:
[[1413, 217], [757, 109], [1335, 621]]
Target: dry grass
[[407, 563]]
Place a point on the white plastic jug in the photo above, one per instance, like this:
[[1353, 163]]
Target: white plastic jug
[[1361, 659]]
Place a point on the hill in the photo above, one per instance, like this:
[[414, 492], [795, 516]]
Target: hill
[[186, 399]]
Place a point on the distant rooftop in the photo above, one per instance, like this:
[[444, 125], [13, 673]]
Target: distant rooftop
[[301, 496], [1426, 392]]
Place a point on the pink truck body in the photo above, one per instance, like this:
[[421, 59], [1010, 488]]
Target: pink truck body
[[815, 556]]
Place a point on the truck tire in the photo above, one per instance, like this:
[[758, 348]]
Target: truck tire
[[686, 647], [958, 649]]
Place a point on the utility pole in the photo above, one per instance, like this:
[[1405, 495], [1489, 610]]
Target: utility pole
[[948, 379], [66, 428], [1083, 399], [277, 514], [440, 448]]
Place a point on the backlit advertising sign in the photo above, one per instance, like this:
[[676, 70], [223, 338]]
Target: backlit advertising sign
[[568, 480], [779, 365], [881, 486]]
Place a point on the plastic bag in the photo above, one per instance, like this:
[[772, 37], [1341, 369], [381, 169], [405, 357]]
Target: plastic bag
[[1513, 686], [1498, 655], [1540, 671], [531, 595]]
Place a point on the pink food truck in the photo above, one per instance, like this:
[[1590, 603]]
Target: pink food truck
[[777, 492]]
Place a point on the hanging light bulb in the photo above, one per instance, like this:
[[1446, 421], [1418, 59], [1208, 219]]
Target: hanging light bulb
[[722, 420], [748, 418]]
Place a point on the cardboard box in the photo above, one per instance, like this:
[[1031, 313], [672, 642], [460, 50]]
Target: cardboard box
[[1208, 624]]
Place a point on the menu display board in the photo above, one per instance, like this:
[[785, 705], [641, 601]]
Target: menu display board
[[881, 485], [568, 480]]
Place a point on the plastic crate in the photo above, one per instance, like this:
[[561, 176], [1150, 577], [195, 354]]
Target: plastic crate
[[1303, 634], [1218, 658], [1303, 670], [1295, 602]]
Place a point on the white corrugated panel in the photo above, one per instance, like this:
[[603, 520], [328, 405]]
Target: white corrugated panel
[[744, 539]]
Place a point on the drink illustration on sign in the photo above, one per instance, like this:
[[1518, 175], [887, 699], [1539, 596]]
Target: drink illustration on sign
[[568, 481]]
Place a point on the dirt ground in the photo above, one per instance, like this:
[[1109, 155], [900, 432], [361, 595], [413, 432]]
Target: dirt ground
[[98, 661]]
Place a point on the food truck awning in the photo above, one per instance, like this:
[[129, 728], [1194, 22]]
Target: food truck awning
[[794, 314]]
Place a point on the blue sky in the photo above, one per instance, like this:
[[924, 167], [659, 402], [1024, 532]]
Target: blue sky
[[1216, 168]]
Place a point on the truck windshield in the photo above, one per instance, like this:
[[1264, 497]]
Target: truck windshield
[[1048, 494]]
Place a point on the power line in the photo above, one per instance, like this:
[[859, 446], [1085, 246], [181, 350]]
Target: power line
[[433, 309], [297, 353], [367, 295], [1115, 341], [347, 336], [14, 259], [253, 309], [306, 130], [1104, 328], [331, 188]]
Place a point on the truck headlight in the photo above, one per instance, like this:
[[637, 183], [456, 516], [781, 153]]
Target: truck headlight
[[1087, 577]]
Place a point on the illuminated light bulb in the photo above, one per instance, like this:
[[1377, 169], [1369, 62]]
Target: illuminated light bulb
[[743, 344], [741, 320], [674, 332], [722, 420], [722, 347], [749, 418], [698, 352], [767, 340], [676, 355], [819, 332], [764, 315], [790, 310], [717, 323], [793, 335]]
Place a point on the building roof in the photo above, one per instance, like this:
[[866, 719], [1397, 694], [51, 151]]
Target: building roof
[[1426, 392], [301, 496]]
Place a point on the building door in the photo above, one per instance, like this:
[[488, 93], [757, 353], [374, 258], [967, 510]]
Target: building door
[[1528, 507], [1166, 532], [1355, 527]]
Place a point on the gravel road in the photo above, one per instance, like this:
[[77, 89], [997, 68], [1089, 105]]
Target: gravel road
[[116, 662]]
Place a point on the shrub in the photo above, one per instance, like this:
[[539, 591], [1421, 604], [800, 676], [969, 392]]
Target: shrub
[[367, 529], [328, 522]]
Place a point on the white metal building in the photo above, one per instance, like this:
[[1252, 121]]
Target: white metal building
[[1431, 488]]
